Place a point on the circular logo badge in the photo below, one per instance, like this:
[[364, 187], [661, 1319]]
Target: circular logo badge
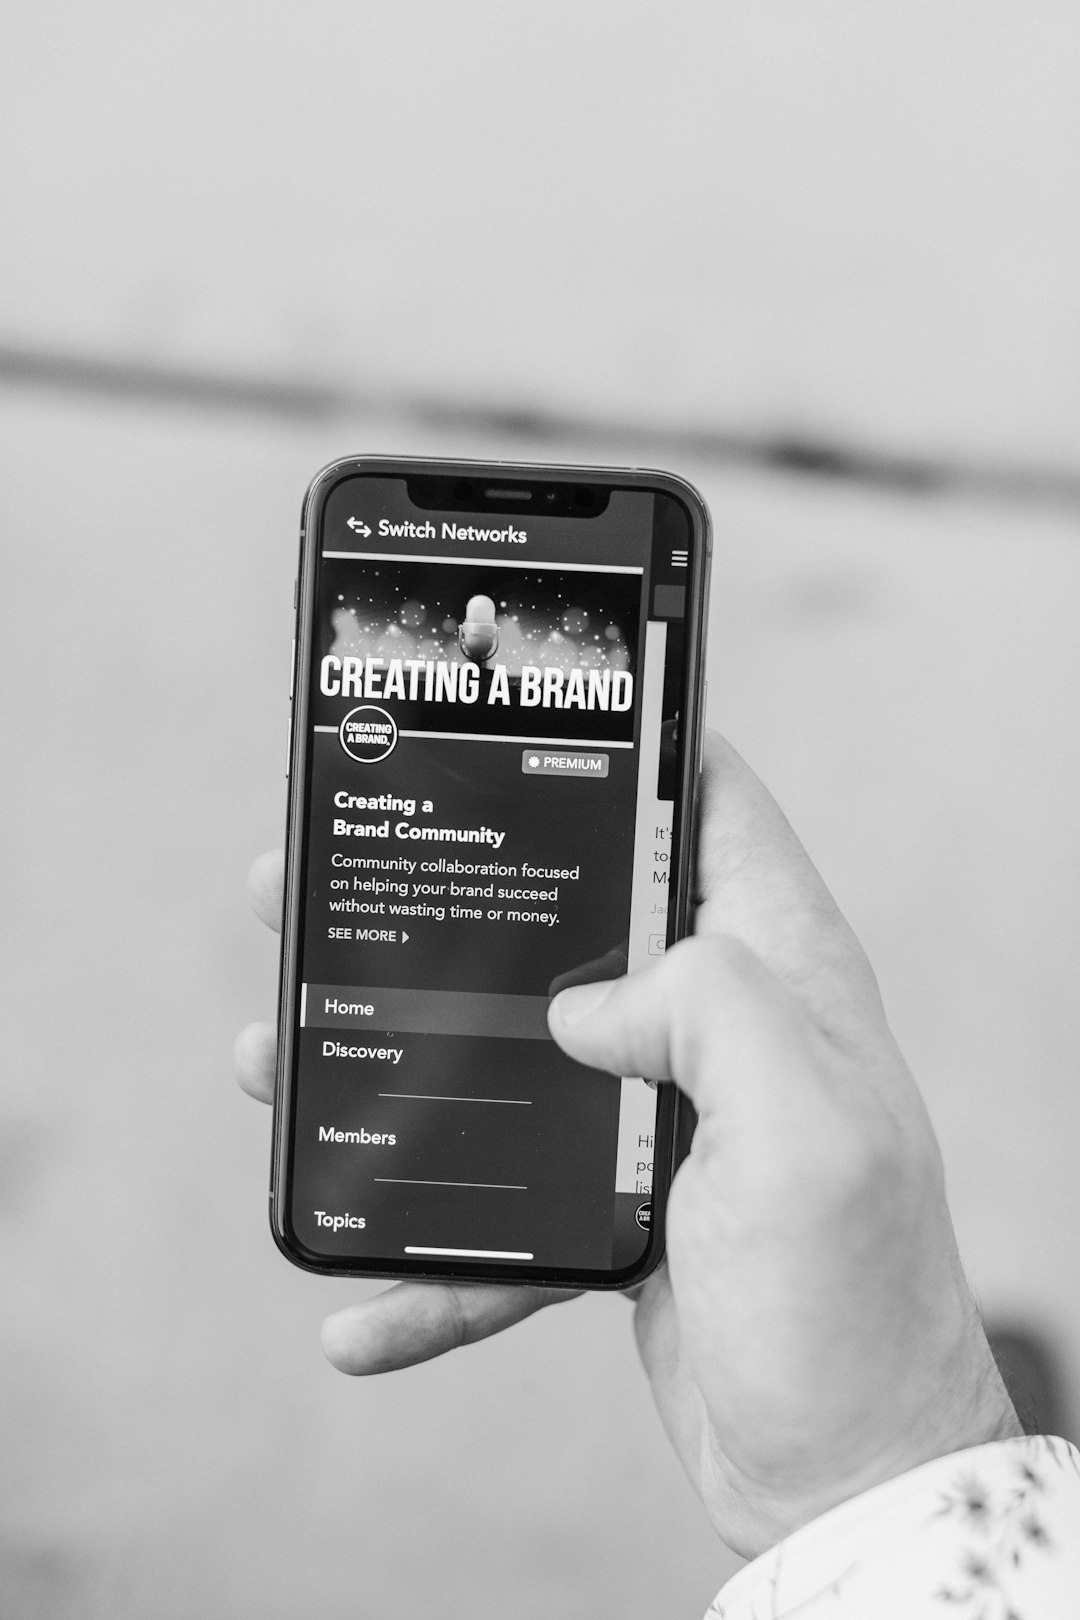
[[368, 734], [643, 1215]]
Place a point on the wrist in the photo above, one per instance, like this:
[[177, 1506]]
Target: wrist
[[968, 1406]]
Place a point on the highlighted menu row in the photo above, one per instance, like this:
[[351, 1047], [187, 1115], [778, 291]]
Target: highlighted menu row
[[424, 1012]]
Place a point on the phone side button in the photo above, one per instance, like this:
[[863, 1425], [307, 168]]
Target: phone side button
[[288, 748]]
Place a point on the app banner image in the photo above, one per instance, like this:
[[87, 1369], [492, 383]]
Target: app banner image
[[493, 651]]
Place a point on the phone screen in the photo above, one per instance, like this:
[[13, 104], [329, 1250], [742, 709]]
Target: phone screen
[[490, 725]]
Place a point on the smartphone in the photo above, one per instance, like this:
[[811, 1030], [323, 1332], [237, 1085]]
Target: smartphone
[[494, 759]]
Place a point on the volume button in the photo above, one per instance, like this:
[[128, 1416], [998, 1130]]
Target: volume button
[[292, 670]]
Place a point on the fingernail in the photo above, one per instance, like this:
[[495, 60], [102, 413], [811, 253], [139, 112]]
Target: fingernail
[[573, 1006]]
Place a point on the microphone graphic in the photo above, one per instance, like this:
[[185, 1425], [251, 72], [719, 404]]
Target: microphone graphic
[[478, 634]]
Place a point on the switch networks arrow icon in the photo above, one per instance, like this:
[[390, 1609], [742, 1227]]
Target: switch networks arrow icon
[[358, 527]]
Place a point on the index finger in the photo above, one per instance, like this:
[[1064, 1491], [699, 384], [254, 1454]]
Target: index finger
[[414, 1321], [266, 886]]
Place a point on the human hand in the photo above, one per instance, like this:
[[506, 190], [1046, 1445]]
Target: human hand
[[813, 1334]]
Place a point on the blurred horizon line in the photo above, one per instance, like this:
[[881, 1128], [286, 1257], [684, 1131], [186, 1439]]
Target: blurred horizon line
[[312, 400]]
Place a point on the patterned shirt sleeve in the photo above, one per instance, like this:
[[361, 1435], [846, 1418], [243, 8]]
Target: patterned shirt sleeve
[[987, 1534]]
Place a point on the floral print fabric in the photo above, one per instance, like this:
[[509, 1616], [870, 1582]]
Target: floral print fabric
[[987, 1534]]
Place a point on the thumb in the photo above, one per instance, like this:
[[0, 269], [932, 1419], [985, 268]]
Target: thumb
[[710, 1016]]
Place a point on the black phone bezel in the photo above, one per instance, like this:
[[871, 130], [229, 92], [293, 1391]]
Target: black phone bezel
[[674, 1115]]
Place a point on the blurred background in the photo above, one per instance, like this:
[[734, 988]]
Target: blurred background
[[820, 259]]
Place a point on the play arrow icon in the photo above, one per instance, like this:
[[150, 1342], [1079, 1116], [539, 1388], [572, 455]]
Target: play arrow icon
[[404, 936], [358, 526]]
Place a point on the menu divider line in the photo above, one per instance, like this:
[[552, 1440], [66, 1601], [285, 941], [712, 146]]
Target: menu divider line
[[429, 1096], [494, 1186]]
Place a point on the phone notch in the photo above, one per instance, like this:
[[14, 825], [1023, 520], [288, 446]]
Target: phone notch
[[547, 497]]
